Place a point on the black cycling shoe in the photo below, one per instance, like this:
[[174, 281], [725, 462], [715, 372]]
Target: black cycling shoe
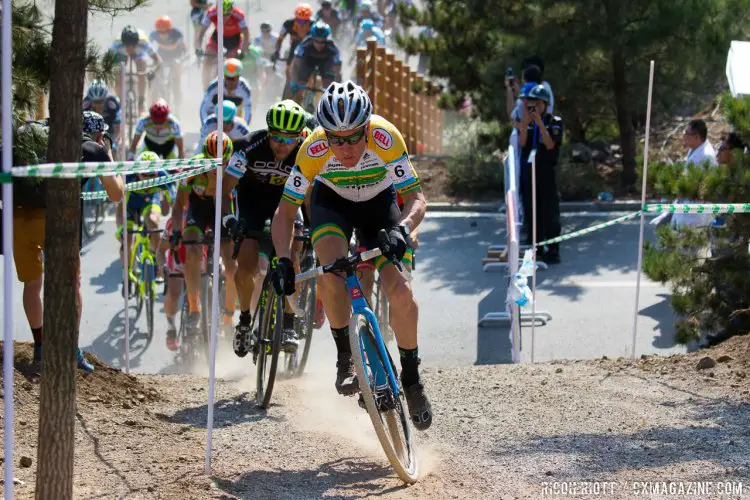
[[384, 399], [243, 340], [194, 322], [420, 409], [346, 378]]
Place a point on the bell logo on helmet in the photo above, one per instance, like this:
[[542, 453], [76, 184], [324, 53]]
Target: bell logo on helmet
[[317, 148], [382, 138]]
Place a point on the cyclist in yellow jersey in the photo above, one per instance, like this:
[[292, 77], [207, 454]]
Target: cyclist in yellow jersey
[[355, 163]]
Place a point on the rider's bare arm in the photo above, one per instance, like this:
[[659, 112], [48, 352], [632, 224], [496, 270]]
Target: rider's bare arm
[[178, 210], [282, 228], [246, 39], [114, 186], [180, 143], [199, 37], [228, 183], [134, 142], [158, 61], [415, 206]]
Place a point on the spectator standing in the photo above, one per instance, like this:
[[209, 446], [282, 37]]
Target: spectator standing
[[29, 221], [542, 132], [700, 151]]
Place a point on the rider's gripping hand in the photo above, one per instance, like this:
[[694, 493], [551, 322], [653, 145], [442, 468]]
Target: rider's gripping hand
[[282, 276], [275, 56], [175, 238], [230, 222], [151, 75], [395, 247]]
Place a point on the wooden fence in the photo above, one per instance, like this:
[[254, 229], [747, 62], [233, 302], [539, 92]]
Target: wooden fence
[[391, 85]]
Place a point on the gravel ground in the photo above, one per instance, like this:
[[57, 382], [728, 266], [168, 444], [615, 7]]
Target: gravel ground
[[500, 431]]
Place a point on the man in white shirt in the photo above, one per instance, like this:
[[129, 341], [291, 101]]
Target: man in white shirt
[[700, 151]]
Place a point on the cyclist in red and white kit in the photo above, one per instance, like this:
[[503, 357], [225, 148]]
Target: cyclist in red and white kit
[[236, 37], [174, 285]]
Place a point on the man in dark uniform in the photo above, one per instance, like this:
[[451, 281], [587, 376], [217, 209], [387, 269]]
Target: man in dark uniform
[[542, 132]]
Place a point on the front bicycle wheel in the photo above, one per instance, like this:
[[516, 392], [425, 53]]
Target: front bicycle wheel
[[386, 410], [304, 325], [148, 299], [89, 212], [269, 345], [207, 287], [381, 311]]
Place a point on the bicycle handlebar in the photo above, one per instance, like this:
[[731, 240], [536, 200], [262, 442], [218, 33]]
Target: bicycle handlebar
[[341, 264]]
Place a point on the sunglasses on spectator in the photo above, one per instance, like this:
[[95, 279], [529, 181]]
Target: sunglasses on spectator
[[232, 78], [337, 140], [283, 140]]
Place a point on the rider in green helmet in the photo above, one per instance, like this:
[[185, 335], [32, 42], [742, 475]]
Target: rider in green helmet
[[258, 170]]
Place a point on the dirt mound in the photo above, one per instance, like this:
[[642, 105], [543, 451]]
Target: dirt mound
[[727, 364], [106, 385]]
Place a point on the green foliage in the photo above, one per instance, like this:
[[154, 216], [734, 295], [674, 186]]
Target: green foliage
[[475, 169], [596, 53], [577, 181], [706, 268]]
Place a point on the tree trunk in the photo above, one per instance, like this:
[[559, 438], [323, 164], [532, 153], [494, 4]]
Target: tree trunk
[[57, 405], [624, 119]]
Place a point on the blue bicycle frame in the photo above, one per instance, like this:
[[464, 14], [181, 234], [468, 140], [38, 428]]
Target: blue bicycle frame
[[374, 352]]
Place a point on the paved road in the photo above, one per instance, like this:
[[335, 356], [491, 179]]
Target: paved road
[[590, 295]]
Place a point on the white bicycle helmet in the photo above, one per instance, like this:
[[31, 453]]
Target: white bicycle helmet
[[97, 90], [344, 106]]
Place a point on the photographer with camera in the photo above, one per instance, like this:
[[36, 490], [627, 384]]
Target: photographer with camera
[[542, 132]]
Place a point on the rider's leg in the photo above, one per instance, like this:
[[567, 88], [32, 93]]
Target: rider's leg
[[152, 215], [171, 306], [367, 279], [258, 277], [230, 269], [247, 266], [141, 66], [193, 258]]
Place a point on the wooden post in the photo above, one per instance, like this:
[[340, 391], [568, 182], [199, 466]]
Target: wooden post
[[430, 121], [391, 85], [440, 125], [412, 113], [372, 70], [380, 101], [361, 67], [420, 116], [397, 80]]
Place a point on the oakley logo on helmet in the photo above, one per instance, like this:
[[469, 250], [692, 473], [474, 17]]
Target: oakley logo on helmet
[[317, 148], [382, 138]]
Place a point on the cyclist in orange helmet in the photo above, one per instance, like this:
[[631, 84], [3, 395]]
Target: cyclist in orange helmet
[[170, 44], [297, 28]]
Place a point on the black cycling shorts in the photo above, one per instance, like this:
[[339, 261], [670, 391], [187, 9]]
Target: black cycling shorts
[[256, 203], [308, 64], [201, 214], [163, 150], [230, 42], [331, 214]]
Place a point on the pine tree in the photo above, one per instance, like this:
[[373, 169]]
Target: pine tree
[[596, 54], [707, 267]]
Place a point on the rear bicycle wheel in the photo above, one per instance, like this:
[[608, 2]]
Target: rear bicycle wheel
[[386, 410], [269, 345], [185, 354]]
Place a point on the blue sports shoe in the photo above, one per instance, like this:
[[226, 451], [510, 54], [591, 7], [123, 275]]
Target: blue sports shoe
[[83, 364]]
